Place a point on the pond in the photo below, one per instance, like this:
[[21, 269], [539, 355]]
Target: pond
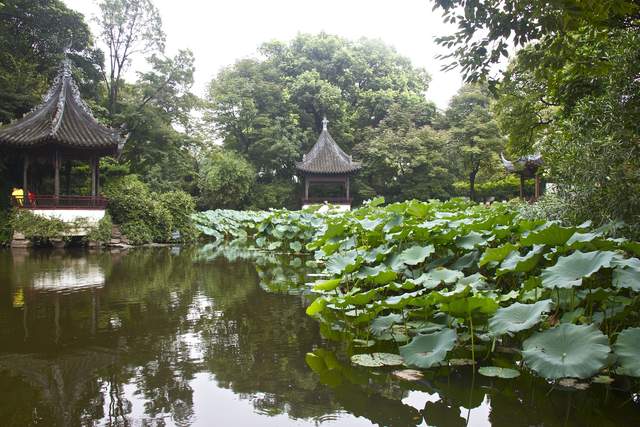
[[191, 336]]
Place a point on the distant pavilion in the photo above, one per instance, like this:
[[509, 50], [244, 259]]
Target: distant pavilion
[[60, 129], [526, 167], [326, 163]]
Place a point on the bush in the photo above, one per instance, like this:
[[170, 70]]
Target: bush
[[37, 228], [137, 232], [181, 206], [278, 194], [5, 228], [102, 233], [501, 189], [146, 216]]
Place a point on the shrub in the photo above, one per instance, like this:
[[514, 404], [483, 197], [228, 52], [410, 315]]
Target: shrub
[[180, 206], [137, 232], [5, 228], [102, 233], [37, 228], [129, 199], [501, 189]]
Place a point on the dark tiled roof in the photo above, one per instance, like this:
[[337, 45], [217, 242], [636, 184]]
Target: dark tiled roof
[[326, 157], [526, 165], [62, 120]]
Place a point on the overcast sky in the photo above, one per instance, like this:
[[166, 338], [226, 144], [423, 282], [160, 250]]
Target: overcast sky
[[219, 32]]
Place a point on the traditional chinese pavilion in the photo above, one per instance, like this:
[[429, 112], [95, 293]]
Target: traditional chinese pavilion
[[526, 167], [326, 163], [60, 129]]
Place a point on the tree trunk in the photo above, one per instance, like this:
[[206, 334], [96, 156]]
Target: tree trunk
[[472, 185]]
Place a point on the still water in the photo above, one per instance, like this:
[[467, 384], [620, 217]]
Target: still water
[[170, 336]]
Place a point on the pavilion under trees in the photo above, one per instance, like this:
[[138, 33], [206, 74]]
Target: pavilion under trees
[[327, 163], [61, 129], [526, 167]]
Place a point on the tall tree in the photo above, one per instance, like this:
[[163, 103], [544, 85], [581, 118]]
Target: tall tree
[[128, 28], [474, 135]]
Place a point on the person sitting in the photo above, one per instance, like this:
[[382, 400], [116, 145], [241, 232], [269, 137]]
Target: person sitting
[[32, 198], [18, 196]]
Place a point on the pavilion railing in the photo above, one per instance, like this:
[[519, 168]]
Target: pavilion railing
[[39, 201], [332, 200]]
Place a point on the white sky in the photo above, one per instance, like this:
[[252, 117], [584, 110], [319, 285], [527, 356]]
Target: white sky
[[219, 32]]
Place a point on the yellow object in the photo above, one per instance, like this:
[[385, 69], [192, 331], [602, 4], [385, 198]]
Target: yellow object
[[18, 194]]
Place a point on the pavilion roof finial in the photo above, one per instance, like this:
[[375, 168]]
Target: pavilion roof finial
[[325, 122]]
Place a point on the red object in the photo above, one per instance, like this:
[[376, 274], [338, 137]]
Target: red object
[[32, 197]]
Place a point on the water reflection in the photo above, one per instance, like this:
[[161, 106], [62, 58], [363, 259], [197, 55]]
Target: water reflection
[[215, 336]]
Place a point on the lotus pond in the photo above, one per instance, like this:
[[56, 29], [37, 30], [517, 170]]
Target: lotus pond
[[439, 314]]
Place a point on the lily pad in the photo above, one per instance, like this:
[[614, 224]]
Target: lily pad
[[425, 351], [496, 254], [382, 324], [344, 262], [568, 350], [376, 360], [551, 234], [626, 278], [416, 254], [494, 371], [408, 375], [572, 383], [627, 348], [569, 271], [518, 317]]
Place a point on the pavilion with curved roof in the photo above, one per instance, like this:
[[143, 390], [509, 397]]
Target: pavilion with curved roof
[[327, 163], [62, 128]]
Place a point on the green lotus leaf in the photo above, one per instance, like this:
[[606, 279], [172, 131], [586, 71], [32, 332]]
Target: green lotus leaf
[[376, 360], [521, 264], [382, 324], [370, 224], [569, 270], [295, 246], [471, 240], [576, 351], [342, 262], [494, 371], [518, 317], [551, 234], [316, 306], [620, 261], [436, 276], [627, 348], [468, 260], [416, 254], [496, 254], [476, 304], [274, 245], [326, 285], [626, 278], [380, 274], [425, 351]]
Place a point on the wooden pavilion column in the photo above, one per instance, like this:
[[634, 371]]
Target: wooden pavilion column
[[306, 188], [25, 180], [537, 189], [347, 185], [94, 177], [56, 177]]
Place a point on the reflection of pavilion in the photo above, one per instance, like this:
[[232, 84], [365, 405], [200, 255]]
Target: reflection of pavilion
[[72, 275]]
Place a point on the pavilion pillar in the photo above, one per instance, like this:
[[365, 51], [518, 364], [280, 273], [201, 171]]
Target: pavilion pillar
[[25, 180], [56, 177], [97, 172], [537, 189], [306, 188], [347, 185], [93, 177]]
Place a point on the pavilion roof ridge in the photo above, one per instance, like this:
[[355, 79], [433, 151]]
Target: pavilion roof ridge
[[326, 156]]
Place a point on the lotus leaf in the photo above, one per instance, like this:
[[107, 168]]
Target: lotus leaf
[[476, 304], [494, 371], [416, 254], [376, 360], [496, 254], [383, 323], [569, 270], [380, 274], [626, 278], [551, 234], [577, 351], [408, 375], [345, 262], [425, 351], [627, 348], [316, 306], [518, 317], [327, 285], [521, 264], [471, 240], [435, 277]]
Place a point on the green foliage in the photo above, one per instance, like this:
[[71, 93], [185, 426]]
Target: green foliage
[[6, 230], [408, 271], [225, 180], [102, 233], [504, 188], [38, 228], [149, 216]]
